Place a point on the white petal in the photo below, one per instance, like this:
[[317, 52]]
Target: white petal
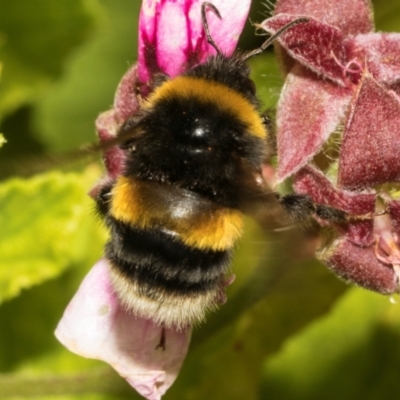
[[95, 326]]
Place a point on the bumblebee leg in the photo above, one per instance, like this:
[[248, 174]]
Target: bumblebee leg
[[302, 209]]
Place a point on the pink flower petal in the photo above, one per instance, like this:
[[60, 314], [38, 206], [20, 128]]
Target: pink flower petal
[[394, 210], [126, 102], [172, 38], [359, 265], [360, 233], [371, 146], [107, 128], [94, 325], [317, 46], [350, 16], [387, 249], [309, 110], [313, 183], [381, 53]]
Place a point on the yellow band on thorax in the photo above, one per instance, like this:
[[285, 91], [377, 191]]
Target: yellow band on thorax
[[209, 91]]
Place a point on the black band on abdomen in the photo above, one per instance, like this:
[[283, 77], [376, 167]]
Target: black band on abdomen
[[157, 260]]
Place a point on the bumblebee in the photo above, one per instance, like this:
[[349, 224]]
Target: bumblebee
[[194, 154]]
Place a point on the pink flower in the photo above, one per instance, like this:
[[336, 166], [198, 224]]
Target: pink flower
[[343, 77], [172, 38], [95, 325]]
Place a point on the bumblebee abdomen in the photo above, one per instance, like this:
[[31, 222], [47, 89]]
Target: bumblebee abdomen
[[157, 276], [169, 251]]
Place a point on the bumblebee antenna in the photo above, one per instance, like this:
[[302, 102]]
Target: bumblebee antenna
[[210, 40], [271, 39]]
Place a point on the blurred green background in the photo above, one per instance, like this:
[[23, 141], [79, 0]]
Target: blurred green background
[[290, 330]]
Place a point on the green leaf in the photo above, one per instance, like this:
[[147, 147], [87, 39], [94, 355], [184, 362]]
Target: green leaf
[[387, 15], [35, 39], [65, 117], [2, 140], [35, 314], [352, 353], [46, 226], [268, 79], [50, 238]]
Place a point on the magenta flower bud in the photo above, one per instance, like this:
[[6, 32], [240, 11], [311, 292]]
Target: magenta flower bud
[[172, 38], [343, 78]]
